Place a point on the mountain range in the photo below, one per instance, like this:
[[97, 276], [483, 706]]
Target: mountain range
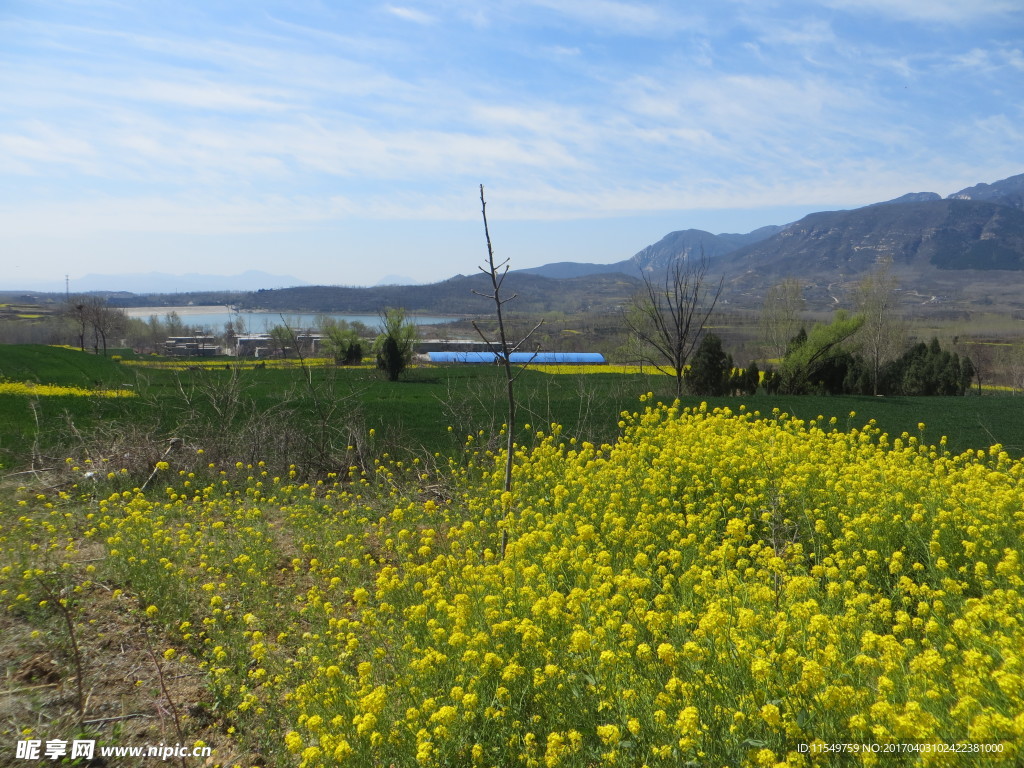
[[965, 249], [950, 255], [686, 243], [978, 228]]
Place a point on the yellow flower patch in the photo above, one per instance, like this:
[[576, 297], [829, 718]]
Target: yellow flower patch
[[32, 389], [714, 589], [237, 363], [571, 369]]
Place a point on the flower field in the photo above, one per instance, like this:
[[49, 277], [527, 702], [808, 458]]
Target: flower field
[[190, 364], [572, 370], [31, 389], [716, 588]]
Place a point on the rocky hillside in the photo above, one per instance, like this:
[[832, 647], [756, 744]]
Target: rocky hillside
[[945, 234], [977, 228]]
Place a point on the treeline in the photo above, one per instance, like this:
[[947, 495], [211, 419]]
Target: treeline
[[923, 369], [458, 295], [817, 363]]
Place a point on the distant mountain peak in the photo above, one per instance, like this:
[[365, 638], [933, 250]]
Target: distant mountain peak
[[689, 244], [682, 244], [970, 230], [912, 197], [1009, 191]]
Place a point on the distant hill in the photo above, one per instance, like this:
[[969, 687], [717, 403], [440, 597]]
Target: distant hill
[[965, 249], [912, 197], [455, 296], [953, 253], [1008, 192], [949, 255], [390, 280], [944, 234], [982, 235], [162, 282], [684, 244], [566, 269], [691, 244]]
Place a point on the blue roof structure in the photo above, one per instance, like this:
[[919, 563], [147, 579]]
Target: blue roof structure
[[521, 358]]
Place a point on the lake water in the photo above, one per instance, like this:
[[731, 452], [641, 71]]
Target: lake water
[[213, 319]]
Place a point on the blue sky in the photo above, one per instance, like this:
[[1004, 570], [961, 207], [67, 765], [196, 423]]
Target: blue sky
[[340, 142]]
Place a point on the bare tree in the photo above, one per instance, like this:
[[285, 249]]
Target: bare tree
[[670, 316], [780, 316], [981, 358], [502, 348], [1012, 360], [103, 319], [882, 335], [77, 312]]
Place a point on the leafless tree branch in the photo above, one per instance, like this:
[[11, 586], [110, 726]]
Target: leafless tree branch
[[670, 316], [497, 273]]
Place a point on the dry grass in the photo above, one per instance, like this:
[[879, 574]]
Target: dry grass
[[125, 701]]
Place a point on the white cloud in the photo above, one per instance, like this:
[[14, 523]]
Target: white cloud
[[38, 143], [557, 122], [940, 11], [988, 61], [621, 17], [344, 112], [410, 14], [202, 94], [563, 51], [747, 112], [805, 33]]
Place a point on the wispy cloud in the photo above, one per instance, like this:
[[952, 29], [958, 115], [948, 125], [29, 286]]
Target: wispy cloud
[[622, 17], [988, 61], [219, 120], [410, 14], [942, 11], [34, 146]]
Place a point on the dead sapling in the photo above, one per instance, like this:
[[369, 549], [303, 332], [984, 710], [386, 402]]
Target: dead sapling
[[503, 350], [61, 605], [179, 732]]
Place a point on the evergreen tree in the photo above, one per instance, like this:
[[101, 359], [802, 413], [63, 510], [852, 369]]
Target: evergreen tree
[[394, 345], [737, 380], [816, 361], [834, 372], [858, 378], [751, 379], [923, 370], [796, 342], [966, 374], [389, 359], [710, 368], [352, 354], [342, 340]]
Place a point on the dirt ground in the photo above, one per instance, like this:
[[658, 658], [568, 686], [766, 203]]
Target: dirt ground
[[128, 694]]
